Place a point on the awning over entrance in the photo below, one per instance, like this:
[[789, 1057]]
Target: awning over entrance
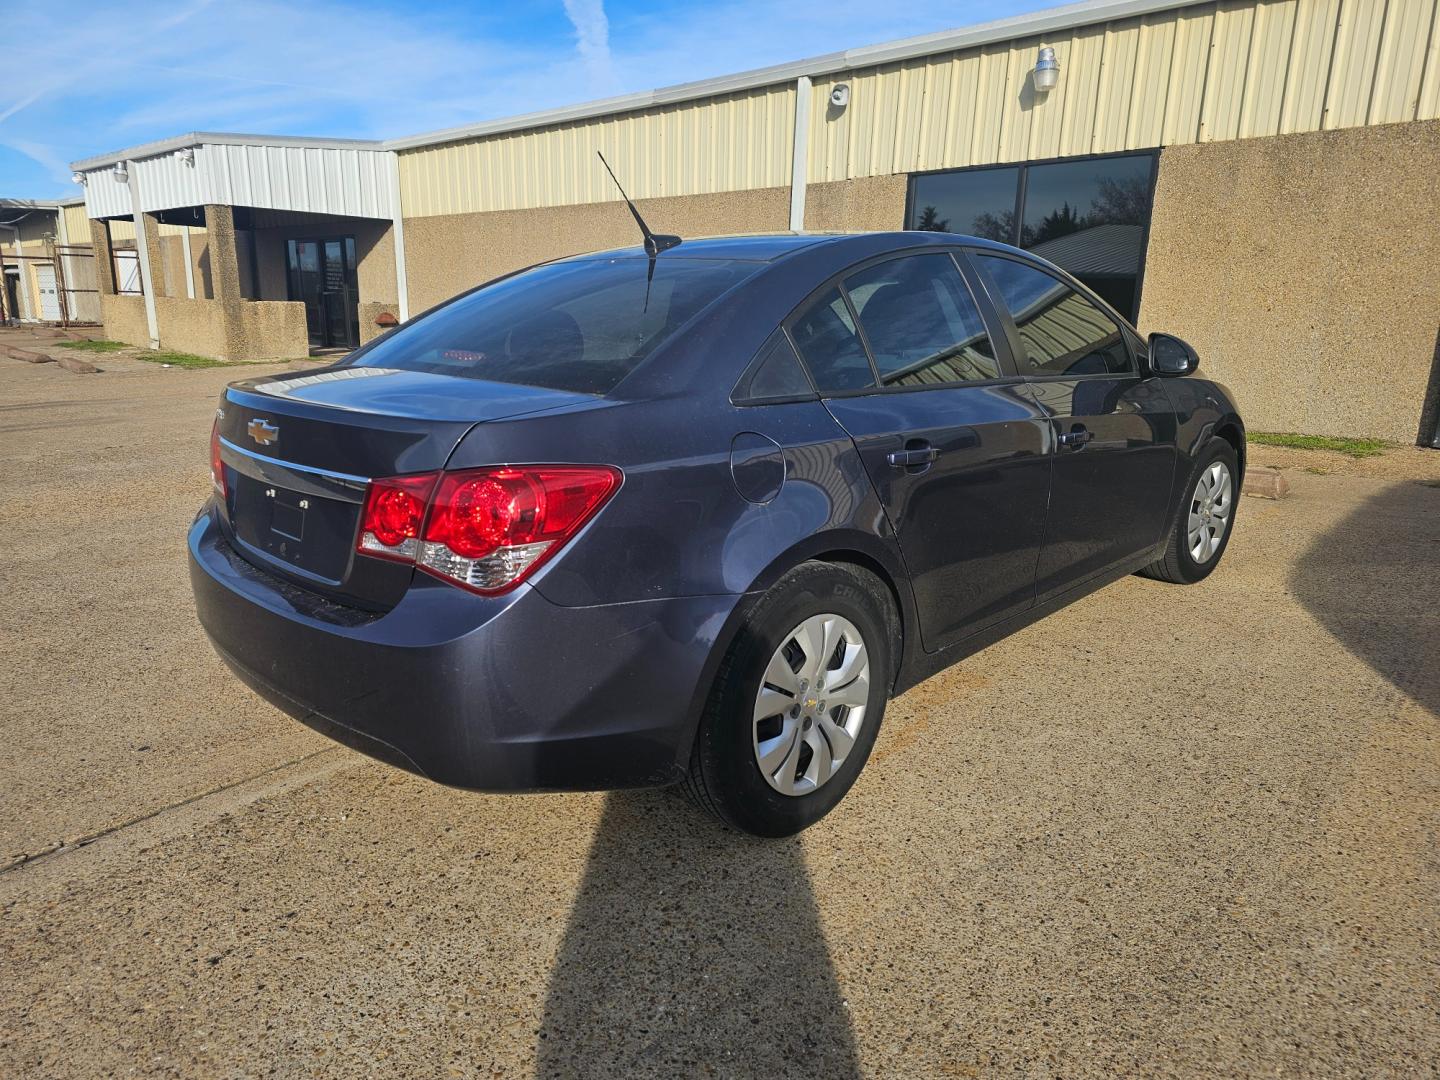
[[349, 177]]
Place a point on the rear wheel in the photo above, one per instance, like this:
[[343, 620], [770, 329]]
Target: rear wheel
[[797, 701], [1204, 519]]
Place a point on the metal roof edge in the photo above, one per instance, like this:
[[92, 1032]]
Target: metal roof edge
[[228, 138], [38, 204]]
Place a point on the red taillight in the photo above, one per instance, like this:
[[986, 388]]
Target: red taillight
[[217, 467], [486, 529], [394, 512]]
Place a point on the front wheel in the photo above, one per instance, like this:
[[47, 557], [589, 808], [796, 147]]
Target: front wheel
[[797, 701], [1204, 519]]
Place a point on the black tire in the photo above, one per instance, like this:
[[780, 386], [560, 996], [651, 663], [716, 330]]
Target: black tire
[[1177, 566], [725, 778]]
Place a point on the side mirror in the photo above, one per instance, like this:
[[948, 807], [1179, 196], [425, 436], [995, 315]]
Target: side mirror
[[1171, 356]]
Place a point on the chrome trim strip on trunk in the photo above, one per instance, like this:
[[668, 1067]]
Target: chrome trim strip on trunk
[[306, 478]]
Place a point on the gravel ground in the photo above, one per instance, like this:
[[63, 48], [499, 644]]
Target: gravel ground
[[1167, 831]]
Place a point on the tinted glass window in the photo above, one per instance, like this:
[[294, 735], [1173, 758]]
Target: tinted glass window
[[1088, 216], [580, 326], [1061, 331], [776, 373], [922, 325], [826, 337], [977, 202]]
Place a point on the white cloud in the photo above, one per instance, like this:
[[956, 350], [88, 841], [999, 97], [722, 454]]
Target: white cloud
[[592, 42]]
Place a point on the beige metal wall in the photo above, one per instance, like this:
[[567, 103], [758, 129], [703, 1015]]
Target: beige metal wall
[[1211, 72], [77, 223], [734, 142]]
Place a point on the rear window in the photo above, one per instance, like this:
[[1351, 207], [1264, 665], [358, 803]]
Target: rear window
[[578, 326]]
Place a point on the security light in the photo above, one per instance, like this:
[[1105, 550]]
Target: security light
[[121, 173], [1047, 71], [840, 95], [78, 178], [186, 155]]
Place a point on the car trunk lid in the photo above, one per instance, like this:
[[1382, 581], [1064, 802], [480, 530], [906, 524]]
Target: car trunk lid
[[300, 451]]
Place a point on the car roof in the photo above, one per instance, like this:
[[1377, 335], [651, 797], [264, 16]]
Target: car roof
[[767, 247]]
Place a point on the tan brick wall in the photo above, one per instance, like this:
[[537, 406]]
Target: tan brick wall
[[1305, 270], [447, 254], [124, 319], [868, 204], [192, 326]]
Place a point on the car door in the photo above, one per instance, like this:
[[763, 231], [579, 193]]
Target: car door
[[955, 445], [1114, 428]]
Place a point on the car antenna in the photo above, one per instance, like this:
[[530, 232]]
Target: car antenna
[[654, 244]]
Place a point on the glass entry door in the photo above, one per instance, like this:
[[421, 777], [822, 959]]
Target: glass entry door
[[322, 276]]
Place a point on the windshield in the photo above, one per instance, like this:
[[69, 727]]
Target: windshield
[[578, 326]]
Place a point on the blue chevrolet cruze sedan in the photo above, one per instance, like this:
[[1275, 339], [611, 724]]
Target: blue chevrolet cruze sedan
[[693, 515]]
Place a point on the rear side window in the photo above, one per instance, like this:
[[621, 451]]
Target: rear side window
[[580, 326], [921, 322], [775, 373], [826, 337], [1063, 332]]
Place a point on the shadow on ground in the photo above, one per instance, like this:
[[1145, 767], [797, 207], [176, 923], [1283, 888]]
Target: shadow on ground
[[1373, 581], [692, 950]]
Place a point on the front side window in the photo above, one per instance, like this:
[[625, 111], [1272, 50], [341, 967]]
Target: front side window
[[921, 322], [1061, 331], [580, 326], [826, 337]]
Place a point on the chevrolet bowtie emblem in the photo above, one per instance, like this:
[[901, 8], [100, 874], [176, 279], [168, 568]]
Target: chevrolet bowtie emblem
[[262, 431]]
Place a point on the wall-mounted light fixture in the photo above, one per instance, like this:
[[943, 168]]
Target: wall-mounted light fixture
[[78, 178], [121, 173], [186, 154], [840, 95], [1047, 71]]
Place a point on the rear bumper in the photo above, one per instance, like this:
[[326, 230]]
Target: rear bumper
[[511, 693]]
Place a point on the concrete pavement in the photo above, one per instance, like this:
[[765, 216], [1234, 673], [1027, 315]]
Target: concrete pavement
[[1167, 832]]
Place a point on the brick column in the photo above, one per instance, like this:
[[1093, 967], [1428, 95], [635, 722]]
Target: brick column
[[224, 260], [225, 276], [104, 259], [151, 240]]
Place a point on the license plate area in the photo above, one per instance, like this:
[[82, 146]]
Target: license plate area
[[301, 529]]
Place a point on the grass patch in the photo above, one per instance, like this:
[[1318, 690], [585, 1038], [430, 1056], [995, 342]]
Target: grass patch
[[184, 359], [1355, 448], [93, 346]]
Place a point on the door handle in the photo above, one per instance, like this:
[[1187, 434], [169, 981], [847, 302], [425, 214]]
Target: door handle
[[1079, 437], [905, 459]]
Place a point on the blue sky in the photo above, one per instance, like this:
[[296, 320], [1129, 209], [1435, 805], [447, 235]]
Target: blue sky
[[84, 78]]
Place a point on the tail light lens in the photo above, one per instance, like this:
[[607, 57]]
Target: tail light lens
[[394, 512], [217, 467], [484, 529]]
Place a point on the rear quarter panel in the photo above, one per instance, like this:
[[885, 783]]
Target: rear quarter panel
[[679, 525]]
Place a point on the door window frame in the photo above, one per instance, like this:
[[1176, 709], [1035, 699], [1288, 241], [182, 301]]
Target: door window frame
[[1012, 332], [348, 247], [1022, 185], [995, 328]]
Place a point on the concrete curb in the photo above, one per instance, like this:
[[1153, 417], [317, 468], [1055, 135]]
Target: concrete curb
[[25, 354], [78, 366], [1265, 482]]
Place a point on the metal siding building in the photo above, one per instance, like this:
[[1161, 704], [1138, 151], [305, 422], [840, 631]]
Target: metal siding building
[[732, 142]]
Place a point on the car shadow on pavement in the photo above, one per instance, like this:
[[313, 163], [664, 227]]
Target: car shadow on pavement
[[692, 950], [1373, 581]]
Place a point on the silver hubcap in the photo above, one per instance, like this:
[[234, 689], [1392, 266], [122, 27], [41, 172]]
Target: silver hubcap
[[811, 704], [1210, 507]]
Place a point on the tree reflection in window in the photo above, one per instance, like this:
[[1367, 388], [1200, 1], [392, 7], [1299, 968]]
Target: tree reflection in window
[[1088, 216]]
